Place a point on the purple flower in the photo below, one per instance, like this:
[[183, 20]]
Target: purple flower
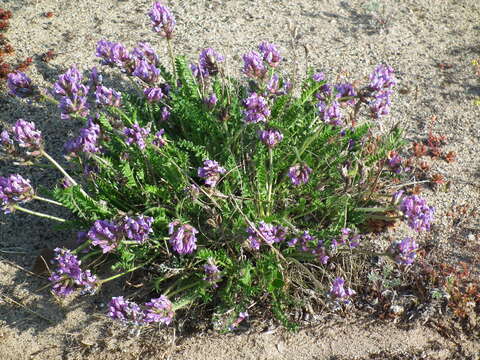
[[146, 72], [211, 101], [347, 238], [6, 143], [256, 109], [136, 135], [137, 229], [86, 142], [304, 242], [125, 311], [271, 137], [74, 104], [404, 252], [207, 63], [153, 94], [394, 162], [70, 83], [159, 310], [19, 84], [381, 103], [241, 316], [144, 51], [14, 189], [383, 77], [299, 174], [158, 140], [26, 135], [273, 86], [211, 172], [96, 78], [113, 54], [182, 237], [267, 233], [346, 90], [68, 275], [418, 214], [325, 93], [212, 273], [106, 96], [338, 291], [165, 115], [331, 113], [73, 94], [162, 20], [270, 54], [105, 234], [317, 77], [253, 65]]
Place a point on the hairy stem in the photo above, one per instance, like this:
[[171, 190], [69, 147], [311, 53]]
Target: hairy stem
[[39, 214]]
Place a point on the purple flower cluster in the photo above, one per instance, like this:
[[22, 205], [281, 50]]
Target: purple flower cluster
[[106, 96], [153, 94], [27, 135], [382, 80], [165, 114], [346, 90], [270, 54], [108, 234], [394, 162], [267, 233], [273, 86], [163, 20], [73, 93], [144, 51], [418, 214], [207, 63], [212, 273], [270, 137], [113, 54], [253, 65], [86, 142], [330, 113], [404, 252], [69, 275], [256, 109], [157, 310], [211, 101], [182, 237], [211, 172], [304, 242], [299, 174], [136, 135], [158, 140], [317, 77], [338, 290], [14, 189], [137, 228], [19, 84], [105, 234], [125, 311], [96, 78], [146, 72], [6, 143], [347, 238]]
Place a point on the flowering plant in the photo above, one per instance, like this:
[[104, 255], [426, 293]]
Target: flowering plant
[[218, 188]]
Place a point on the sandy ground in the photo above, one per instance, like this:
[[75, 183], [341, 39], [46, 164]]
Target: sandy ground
[[348, 37]]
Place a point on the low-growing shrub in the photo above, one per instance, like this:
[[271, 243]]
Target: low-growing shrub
[[227, 192]]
